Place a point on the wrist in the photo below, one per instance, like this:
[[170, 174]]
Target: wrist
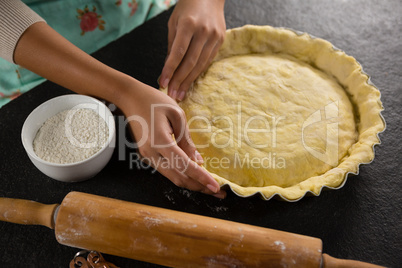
[[128, 93], [112, 86]]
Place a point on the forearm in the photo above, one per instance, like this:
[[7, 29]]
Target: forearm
[[45, 52]]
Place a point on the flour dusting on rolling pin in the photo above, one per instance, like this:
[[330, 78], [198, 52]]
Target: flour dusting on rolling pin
[[71, 136]]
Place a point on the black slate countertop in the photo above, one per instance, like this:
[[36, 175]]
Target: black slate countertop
[[361, 221]]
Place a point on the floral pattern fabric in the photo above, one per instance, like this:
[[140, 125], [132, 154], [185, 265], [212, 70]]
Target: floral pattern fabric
[[90, 20], [89, 25]]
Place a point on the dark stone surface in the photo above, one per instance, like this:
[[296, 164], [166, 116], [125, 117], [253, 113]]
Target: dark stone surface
[[361, 221]]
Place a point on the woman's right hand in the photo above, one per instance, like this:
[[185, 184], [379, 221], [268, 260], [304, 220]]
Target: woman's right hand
[[160, 129]]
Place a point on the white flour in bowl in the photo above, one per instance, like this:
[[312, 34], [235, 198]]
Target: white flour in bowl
[[71, 136]]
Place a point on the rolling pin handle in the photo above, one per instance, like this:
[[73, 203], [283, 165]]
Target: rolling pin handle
[[27, 212], [331, 262]]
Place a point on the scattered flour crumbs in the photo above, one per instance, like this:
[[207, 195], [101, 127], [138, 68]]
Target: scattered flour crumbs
[[71, 136]]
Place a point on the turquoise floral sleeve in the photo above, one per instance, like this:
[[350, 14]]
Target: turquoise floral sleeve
[[89, 25]]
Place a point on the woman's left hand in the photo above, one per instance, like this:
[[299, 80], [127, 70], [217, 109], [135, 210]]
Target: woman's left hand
[[196, 32]]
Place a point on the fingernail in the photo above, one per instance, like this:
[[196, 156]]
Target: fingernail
[[220, 195], [174, 94], [212, 188], [181, 95], [198, 157], [165, 83]]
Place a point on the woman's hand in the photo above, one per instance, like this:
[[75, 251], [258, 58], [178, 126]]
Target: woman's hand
[[45, 52], [196, 31], [154, 118]]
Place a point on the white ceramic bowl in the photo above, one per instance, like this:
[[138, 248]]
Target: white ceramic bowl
[[72, 172]]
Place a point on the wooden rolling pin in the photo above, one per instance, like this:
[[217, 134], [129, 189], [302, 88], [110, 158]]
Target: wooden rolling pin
[[168, 237]]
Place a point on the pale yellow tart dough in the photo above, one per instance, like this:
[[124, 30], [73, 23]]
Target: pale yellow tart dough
[[283, 114]]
